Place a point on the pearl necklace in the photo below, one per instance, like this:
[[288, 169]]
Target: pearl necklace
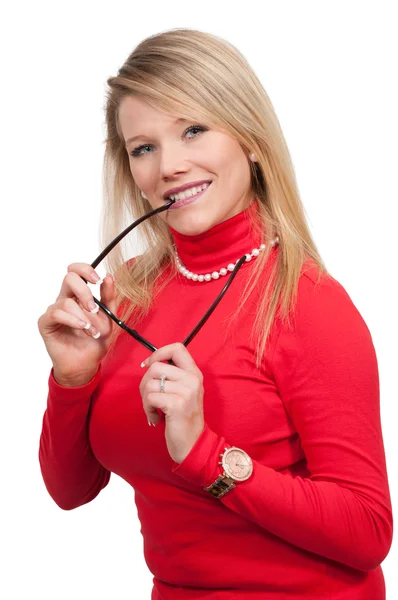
[[216, 274]]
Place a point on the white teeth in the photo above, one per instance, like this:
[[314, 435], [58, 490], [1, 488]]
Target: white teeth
[[190, 192]]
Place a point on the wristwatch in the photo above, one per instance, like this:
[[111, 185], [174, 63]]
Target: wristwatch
[[237, 467]]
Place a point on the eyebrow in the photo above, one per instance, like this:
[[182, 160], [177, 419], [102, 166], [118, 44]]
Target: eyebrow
[[136, 137]]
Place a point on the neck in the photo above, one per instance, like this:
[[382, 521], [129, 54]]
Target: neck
[[219, 246]]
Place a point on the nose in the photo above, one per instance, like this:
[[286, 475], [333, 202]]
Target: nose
[[172, 161]]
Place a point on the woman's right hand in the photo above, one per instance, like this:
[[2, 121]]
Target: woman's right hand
[[75, 349]]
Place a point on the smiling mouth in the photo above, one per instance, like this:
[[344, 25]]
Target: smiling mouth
[[179, 203]]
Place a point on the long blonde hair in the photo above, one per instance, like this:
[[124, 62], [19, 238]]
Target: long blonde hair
[[201, 77]]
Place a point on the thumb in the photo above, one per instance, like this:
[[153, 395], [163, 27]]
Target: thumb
[[108, 293]]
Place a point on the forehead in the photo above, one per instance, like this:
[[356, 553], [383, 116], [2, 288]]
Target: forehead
[[134, 112]]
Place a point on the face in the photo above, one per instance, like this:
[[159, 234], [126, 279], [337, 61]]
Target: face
[[167, 153]]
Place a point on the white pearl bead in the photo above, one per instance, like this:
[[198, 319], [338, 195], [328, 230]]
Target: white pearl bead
[[216, 274]]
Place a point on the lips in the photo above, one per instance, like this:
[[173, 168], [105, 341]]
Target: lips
[[190, 200], [185, 186]]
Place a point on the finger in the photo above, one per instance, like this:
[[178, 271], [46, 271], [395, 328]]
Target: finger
[[70, 306], [85, 270], [109, 294], [170, 387], [74, 286], [157, 403], [177, 353], [157, 369], [62, 317], [109, 297]]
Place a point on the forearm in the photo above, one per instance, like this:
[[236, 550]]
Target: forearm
[[70, 471], [319, 516]]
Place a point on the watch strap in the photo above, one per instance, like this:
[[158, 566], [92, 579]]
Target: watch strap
[[221, 486]]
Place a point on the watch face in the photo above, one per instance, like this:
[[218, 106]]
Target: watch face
[[237, 464]]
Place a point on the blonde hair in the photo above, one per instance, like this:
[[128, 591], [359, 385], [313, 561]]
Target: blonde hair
[[201, 77]]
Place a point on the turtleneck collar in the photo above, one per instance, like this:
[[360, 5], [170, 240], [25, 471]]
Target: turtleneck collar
[[215, 248]]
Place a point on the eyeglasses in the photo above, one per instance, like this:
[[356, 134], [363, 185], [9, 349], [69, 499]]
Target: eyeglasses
[[123, 325]]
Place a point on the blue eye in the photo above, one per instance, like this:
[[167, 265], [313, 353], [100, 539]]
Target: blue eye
[[139, 151], [199, 128]]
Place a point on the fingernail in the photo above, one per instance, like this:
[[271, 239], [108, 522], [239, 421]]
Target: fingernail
[[95, 277], [95, 333], [149, 423], [92, 306], [85, 324], [143, 364]]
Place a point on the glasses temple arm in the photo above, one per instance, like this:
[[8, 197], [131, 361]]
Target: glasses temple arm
[[117, 239], [122, 325], [216, 301], [106, 251]]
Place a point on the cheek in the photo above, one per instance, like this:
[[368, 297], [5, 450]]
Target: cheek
[[235, 173], [141, 175], [227, 159]]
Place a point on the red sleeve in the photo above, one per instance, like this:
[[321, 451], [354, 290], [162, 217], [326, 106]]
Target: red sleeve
[[71, 473], [326, 371]]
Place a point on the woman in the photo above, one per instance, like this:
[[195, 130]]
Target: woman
[[265, 475]]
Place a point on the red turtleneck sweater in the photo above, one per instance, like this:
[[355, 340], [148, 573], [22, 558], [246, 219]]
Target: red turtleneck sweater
[[314, 519]]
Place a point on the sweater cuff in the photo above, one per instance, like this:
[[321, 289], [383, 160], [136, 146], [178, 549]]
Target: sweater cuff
[[72, 394], [200, 466]]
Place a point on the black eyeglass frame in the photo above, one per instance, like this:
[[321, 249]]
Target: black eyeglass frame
[[123, 325]]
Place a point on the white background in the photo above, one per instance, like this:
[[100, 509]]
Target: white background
[[330, 69]]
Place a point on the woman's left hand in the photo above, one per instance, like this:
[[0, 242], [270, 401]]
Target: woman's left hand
[[181, 401]]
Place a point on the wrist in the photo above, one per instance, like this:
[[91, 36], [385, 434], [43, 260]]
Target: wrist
[[237, 466], [73, 380]]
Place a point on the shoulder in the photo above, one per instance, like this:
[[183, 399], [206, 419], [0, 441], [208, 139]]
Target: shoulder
[[324, 313], [321, 292], [319, 286]]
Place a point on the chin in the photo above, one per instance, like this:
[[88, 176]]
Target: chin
[[191, 230], [193, 226]]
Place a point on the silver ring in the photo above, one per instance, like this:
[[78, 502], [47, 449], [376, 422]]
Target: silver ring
[[162, 380]]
